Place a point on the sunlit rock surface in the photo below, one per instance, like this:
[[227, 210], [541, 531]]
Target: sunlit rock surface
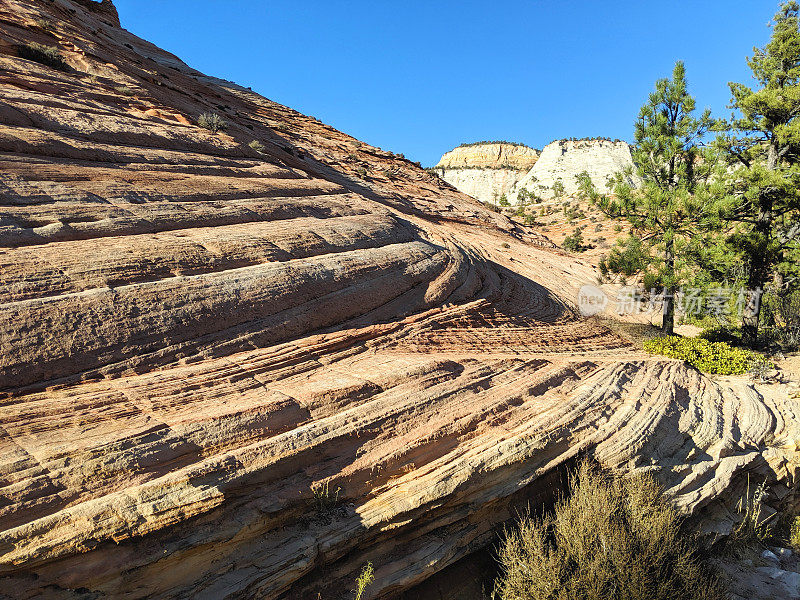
[[197, 331], [487, 170]]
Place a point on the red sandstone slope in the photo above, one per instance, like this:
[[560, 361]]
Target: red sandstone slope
[[194, 333]]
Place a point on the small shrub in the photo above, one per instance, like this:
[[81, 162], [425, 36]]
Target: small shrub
[[45, 25], [324, 500], [366, 577], [505, 245], [760, 371], [503, 201], [558, 188], [709, 357], [212, 121], [612, 538], [574, 242], [124, 90], [754, 529], [794, 533], [46, 55], [362, 172], [257, 146]]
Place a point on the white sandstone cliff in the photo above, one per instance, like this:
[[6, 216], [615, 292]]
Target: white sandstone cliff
[[488, 170], [566, 159]]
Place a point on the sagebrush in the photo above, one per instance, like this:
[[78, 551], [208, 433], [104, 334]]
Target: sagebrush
[[212, 121], [612, 538]]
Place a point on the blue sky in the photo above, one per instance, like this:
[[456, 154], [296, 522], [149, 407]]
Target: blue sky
[[422, 77]]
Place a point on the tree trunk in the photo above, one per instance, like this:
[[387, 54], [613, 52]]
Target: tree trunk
[[759, 270], [668, 316], [759, 261]]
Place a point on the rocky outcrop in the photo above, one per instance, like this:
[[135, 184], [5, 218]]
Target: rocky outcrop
[[490, 155], [242, 370], [564, 160], [486, 170]]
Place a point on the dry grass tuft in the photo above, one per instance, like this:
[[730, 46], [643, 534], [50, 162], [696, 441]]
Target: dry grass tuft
[[754, 530], [612, 538], [257, 146], [366, 577]]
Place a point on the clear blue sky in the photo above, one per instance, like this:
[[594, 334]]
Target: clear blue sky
[[422, 77]]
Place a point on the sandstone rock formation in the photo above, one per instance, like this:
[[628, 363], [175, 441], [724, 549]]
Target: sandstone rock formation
[[490, 155], [486, 170], [238, 370], [564, 160]]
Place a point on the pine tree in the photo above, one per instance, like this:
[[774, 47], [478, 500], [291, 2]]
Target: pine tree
[[665, 211], [762, 143]]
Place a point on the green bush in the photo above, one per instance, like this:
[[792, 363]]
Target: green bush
[[612, 538], [46, 55], [574, 242], [212, 121], [709, 357], [558, 188]]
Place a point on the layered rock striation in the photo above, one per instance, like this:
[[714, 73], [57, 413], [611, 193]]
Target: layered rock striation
[[243, 364], [486, 170]]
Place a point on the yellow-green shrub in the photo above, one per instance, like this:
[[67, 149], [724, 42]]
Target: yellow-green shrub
[[794, 533], [709, 357]]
